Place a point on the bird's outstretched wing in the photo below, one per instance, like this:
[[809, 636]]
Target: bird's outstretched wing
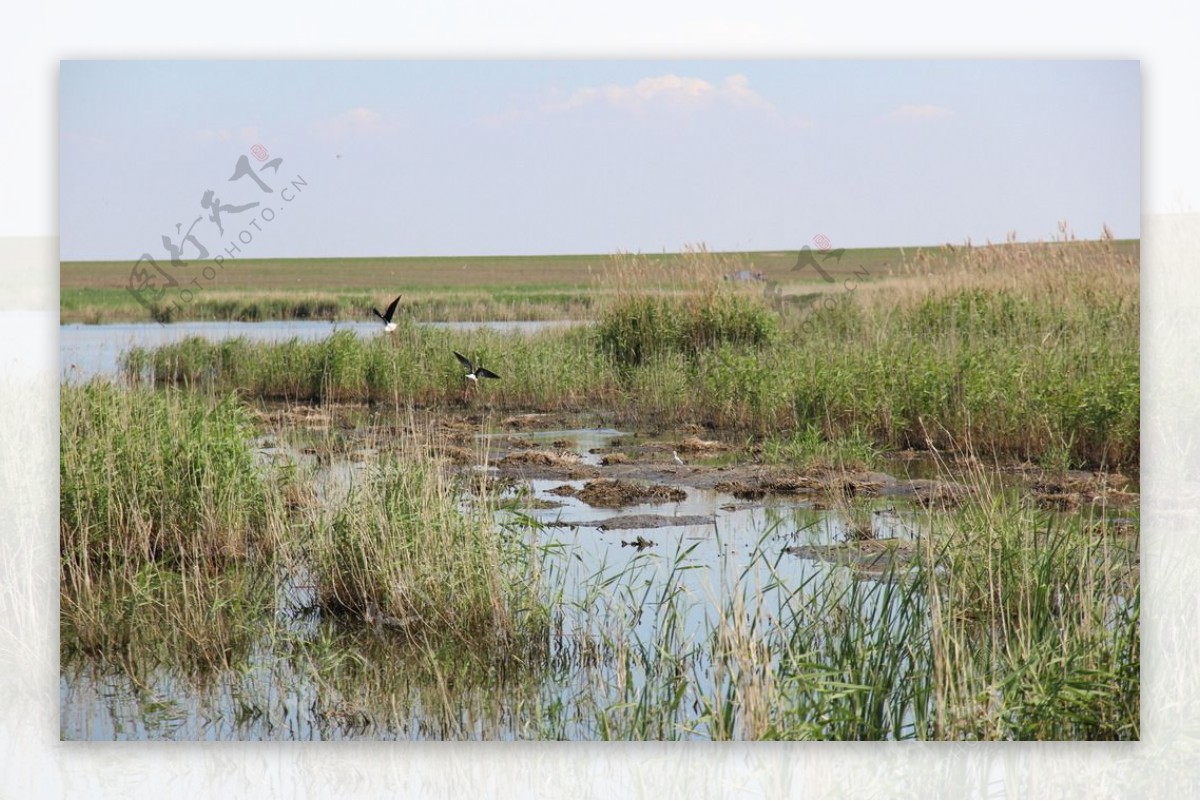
[[483, 372], [465, 362], [392, 308]]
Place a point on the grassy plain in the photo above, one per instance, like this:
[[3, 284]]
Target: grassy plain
[[447, 288]]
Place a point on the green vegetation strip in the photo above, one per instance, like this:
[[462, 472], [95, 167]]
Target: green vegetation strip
[[1009, 356]]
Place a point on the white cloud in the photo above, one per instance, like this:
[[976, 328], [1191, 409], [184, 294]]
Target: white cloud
[[918, 112], [670, 90], [355, 121]]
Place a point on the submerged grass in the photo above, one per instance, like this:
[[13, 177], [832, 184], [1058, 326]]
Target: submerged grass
[[1007, 623]]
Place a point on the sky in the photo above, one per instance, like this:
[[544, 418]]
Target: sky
[[458, 158]]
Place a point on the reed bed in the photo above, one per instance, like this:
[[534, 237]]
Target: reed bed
[[158, 477], [414, 365], [1019, 352], [177, 541], [162, 511], [415, 550]]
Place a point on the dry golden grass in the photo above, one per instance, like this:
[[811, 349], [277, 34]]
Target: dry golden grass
[[1061, 273]]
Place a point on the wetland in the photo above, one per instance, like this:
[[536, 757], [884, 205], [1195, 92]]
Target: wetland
[[710, 511]]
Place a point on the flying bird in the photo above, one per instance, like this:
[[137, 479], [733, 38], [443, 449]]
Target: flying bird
[[473, 372], [388, 325]]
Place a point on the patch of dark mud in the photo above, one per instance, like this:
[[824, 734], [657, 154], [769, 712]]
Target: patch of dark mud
[[480, 485], [741, 490], [614, 459], [820, 482], [539, 458], [539, 421], [545, 464], [647, 451], [836, 484], [870, 557], [740, 507], [563, 491], [933, 494], [641, 543], [1077, 488], [624, 522], [453, 453], [537, 503], [302, 416], [612, 494]]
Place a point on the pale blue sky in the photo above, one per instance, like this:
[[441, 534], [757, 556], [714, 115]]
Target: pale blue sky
[[509, 157]]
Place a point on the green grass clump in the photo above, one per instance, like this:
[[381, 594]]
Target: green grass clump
[[554, 369], [165, 523], [164, 477], [1035, 624], [814, 448], [402, 550], [634, 329]]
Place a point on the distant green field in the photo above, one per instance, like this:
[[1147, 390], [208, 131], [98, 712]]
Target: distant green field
[[468, 287]]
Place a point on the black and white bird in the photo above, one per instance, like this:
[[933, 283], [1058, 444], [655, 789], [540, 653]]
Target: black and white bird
[[474, 373], [388, 325]]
